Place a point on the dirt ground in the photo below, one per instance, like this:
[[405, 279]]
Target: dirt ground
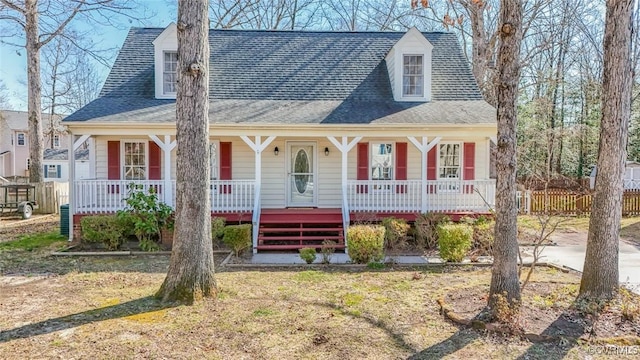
[[13, 227], [103, 307]]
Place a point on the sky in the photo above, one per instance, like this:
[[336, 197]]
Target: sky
[[13, 62]]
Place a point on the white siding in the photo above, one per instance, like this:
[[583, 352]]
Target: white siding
[[274, 171]]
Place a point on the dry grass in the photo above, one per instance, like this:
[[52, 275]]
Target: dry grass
[[629, 226], [103, 308]]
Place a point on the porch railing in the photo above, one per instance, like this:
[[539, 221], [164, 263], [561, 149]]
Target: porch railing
[[107, 196], [406, 195], [232, 195]]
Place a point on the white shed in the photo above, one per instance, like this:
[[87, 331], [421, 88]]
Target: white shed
[[631, 176]]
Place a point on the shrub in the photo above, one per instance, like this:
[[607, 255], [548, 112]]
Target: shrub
[[483, 235], [395, 232], [104, 229], [237, 237], [454, 241], [217, 227], [308, 255], [366, 243], [425, 229], [149, 245], [328, 248], [147, 214]]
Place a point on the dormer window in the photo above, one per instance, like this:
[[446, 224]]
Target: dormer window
[[409, 66], [413, 76], [170, 74]]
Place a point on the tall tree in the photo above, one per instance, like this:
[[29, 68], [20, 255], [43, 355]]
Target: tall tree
[[191, 272], [41, 21], [600, 276], [504, 274], [4, 96]]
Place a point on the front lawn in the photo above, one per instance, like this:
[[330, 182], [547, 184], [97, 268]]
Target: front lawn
[[103, 308]]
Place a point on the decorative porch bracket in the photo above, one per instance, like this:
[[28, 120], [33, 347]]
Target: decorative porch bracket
[[424, 148], [258, 147], [167, 146], [345, 146]]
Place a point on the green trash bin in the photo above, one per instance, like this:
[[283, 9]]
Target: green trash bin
[[64, 220]]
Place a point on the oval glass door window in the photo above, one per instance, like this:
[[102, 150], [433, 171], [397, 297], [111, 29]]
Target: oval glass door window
[[301, 169]]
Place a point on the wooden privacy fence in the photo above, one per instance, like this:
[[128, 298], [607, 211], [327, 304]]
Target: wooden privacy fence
[[576, 203], [50, 195]]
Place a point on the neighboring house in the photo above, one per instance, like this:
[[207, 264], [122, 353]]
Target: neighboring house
[[56, 165], [308, 130], [14, 142], [631, 176]]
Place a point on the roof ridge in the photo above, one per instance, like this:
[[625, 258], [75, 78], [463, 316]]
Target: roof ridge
[[301, 31]]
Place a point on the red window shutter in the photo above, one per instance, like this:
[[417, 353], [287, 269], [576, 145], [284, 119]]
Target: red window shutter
[[155, 161], [363, 165], [113, 165], [225, 166], [401, 166], [113, 160], [469, 160], [432, 168]]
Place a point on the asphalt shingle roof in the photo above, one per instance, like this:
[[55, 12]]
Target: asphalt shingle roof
[[63, 154], [313, 77]]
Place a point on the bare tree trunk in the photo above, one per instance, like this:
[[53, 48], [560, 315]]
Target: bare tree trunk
[[504, 274], [191, 272], [34, 103], [600, 276], [480, 49]]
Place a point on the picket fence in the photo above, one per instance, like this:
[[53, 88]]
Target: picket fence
[[572, 203]]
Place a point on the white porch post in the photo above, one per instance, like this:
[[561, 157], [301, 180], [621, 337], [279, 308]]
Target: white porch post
[[424, 146], [258, 147], [167, 146], [73, 146], [345, 146]]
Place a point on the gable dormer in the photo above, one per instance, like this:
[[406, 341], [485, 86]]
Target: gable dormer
[[409, 66], [166, 62]]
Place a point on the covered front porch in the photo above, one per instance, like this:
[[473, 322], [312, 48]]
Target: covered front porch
[[256, 178]]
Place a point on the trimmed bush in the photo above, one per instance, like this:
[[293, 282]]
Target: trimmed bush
[[366, 243], [217, 227], [237, 237], [308, 255], [454, 241], [426, 229], [104, 229], [483, 236], [395, 232]]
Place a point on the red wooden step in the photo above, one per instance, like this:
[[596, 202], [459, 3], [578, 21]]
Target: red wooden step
[[304, 219], [299, 237], [300, 229], [294, 247]]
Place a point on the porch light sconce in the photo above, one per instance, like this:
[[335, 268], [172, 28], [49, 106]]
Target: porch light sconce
[[276, 151], [326, 151]]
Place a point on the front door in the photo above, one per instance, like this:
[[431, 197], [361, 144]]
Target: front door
[[301, 174]]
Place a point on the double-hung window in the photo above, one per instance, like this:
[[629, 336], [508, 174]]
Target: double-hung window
[[381, 163], [449, 166], [413, 76], [56, 141], [170, 72], [135, 160], [21, 139], [52, 171]]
